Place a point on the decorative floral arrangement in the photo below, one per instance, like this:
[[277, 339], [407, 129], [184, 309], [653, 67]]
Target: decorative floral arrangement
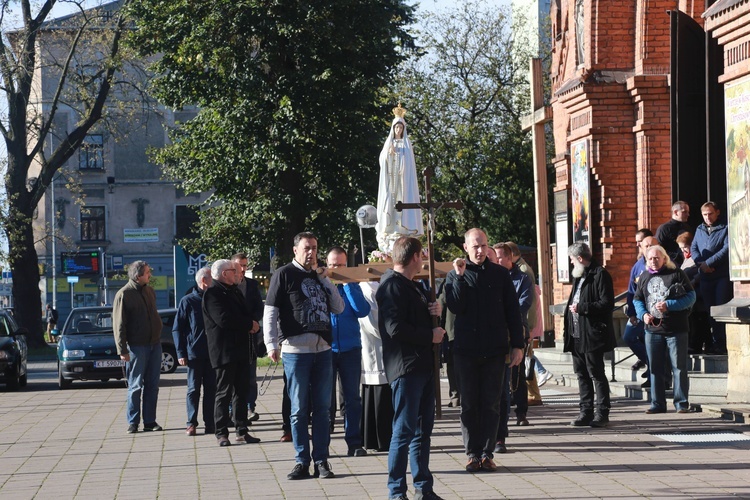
[[378, 257]]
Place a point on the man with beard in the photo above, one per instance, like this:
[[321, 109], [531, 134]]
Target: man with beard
[[588, 333]]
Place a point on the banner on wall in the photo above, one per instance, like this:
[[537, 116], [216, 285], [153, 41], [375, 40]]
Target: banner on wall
[[581, 201], [562, 236], [737, 134], [186, 264]]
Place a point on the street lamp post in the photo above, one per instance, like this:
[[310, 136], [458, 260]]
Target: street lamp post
[[367, 217]]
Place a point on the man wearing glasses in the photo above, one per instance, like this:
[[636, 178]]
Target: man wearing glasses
[[228, 323]]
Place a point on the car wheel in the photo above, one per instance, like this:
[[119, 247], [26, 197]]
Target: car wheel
[[14, 381], [62, 382], [168, 360]]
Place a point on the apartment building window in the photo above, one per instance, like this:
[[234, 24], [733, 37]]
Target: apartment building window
[[93, 224], [91, 153], [186, 216]]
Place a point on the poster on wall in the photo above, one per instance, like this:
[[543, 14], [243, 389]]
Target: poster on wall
[[186, 264], [737, 134], [581, 201], [562, 236]]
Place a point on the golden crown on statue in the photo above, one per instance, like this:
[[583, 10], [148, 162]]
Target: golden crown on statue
[[399, 112]]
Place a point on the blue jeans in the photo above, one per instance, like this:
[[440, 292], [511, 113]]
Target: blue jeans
[[309, 380], [201, 374], [348, 365], [676, 347], [413, 418], [143, 371], [635, 337]]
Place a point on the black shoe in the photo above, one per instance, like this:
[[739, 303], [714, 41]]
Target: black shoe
[[500, 447], [132, 428], [646, 384], [426, 495], [323, 470], [152, 427], [357, 451], [247, 438], [253, 417], [638, 365], [299, 472], [223, 441], [600, 421], [583, 419]]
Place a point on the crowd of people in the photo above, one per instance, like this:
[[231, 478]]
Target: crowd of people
[[378, 339], [678, 275]]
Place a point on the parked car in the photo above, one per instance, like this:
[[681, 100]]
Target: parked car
[[86, 348], [13, 352], [168, 350]]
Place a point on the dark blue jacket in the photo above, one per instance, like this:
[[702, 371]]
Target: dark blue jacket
[[188, 330], [345, 326], [525, 292], [711, 246], [635, 273]]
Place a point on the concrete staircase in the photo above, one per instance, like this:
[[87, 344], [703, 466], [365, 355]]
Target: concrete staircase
[[708, 374]]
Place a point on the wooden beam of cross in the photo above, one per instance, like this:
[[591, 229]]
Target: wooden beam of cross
[[431, 207], [541, 114]]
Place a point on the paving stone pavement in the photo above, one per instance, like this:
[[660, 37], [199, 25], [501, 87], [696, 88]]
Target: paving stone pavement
[[73, 444]]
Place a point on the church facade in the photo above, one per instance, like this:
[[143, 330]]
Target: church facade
[[651, 104]]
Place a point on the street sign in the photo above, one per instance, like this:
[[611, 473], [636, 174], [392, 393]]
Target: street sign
[[72, 279], [80, 263]]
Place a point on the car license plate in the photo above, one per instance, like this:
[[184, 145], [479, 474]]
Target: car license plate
[[109, 363]]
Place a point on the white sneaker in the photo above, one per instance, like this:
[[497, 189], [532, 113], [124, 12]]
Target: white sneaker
[[543, 378]]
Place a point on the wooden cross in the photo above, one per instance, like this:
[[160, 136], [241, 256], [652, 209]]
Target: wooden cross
[[431, 207], [541, 114]]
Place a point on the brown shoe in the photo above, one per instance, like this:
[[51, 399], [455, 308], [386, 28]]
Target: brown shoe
[[535, 402], [190, 431], [286, 437], [488, 465], [473, 465]]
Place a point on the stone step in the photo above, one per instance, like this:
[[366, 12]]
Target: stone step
[[705, 387]]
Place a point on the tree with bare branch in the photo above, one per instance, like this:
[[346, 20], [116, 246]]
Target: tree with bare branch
[[70, 66]]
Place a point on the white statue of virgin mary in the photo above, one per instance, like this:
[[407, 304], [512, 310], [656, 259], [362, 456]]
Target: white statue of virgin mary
[[398, 182]]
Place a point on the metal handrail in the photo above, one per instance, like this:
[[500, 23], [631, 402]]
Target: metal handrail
[[612, 360]]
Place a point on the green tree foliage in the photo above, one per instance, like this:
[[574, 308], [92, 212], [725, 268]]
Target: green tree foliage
[[286, 137], [465, 100]]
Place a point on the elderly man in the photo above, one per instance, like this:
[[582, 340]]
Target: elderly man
[[710, 252], [228, 330], [297, 318], [405, 325], [488, 326], [347, 354], [588, 333], [137, 329], [668, 232], [190, 342]]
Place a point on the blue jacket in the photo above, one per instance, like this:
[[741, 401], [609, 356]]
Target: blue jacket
[[345, 326], [522, 284], [635, 273], [188, 331], [712, 248]]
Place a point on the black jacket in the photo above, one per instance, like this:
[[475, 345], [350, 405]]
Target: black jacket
[[488, 317], [228, 322], [405, 326], [595, 307]]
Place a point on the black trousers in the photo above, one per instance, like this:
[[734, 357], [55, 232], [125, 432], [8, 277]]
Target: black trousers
[[592, 379], [480, 382], [232, 381]]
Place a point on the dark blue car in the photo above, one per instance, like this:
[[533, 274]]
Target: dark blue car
[[86, 347], [13, 352]]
